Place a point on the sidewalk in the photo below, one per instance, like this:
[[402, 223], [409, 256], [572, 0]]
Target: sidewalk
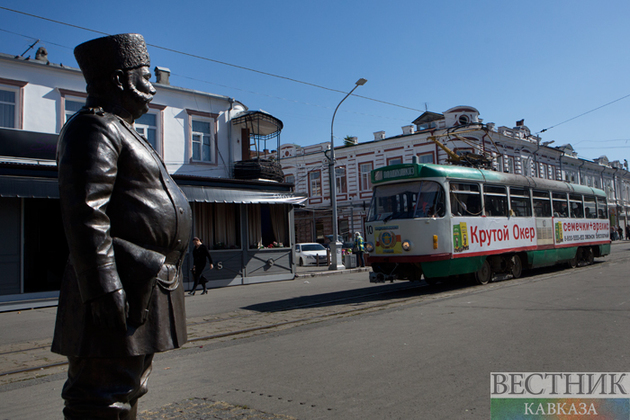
[[49, 299]]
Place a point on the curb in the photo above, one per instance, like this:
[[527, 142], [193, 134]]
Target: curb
[[327, 272]]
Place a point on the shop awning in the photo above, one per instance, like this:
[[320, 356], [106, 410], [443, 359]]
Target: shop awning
[[200, 193], [26, 187]]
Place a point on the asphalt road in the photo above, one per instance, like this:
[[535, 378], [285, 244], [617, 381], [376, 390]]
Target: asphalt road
[[352, 350]]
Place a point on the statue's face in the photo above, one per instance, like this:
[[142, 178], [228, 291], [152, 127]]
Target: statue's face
[[138, 91]]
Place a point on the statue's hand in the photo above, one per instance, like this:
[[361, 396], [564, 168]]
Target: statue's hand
[[111, 310]]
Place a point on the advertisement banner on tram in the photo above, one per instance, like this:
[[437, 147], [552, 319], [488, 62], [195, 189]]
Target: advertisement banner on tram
[[482, 234], [577, 231]]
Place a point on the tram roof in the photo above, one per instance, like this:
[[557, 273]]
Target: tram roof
[[411, 171]]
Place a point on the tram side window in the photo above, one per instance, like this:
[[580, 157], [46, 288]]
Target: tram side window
[[495, 200], [520, 202], [431, 201], [465, 199], [577, 209], [560, 205], [542, 205], [590, 211], [602, 208]]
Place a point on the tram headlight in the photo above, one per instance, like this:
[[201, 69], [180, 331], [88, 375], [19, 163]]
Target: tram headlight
[[406, 245], [369, 246]]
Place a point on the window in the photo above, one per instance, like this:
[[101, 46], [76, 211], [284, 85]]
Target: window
[[495, 200], [590, 207], [315, 183], [289, 179], [542, 170], [395, 161], [146, 125], [8, 107], [341, 179], [72, 106], [520, 203], [407, 200], [217, 224], [268, 226], [465, 199], [460, 151], [202, 136], [542, 205], [431, 201], [507, 164], [364, 176], [602, 208], [560, 205], [577, 210], [202, 141], [425, 158]]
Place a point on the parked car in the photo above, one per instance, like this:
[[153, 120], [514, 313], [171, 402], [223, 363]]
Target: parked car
[[310, 253]]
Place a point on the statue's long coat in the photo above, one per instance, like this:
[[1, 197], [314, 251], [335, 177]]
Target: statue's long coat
[[112, 184]]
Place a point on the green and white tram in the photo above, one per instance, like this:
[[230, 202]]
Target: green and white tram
[[438, 221]]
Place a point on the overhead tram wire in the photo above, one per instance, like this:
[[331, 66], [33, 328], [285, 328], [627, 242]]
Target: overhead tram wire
[[199, 57], [584, 113]]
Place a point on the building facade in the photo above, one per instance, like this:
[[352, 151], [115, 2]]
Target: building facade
[[247, 222], [465, 137]]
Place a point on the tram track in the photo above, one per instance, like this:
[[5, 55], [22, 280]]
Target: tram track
[[26, 363], [28, 360]]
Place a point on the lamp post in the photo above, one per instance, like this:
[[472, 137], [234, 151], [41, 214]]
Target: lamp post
[[335, 246]]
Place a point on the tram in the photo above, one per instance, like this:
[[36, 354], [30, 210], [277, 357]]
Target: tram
[[439, 221]]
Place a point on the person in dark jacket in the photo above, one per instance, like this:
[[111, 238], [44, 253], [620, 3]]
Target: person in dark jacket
[[200, 253], [128, 227]]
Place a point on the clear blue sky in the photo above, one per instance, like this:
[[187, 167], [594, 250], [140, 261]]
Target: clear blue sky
[[545, 61]]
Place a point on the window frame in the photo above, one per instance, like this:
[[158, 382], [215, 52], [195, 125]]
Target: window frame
[[542, 196], [341, 181], [204, 117], [365, 183], [491, 190], [469, 192], [525, 197], [318, 182], [558, 197], [15, 86], [159, 138], [420, 155], [390, 160]]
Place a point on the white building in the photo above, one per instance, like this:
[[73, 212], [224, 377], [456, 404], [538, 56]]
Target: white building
[[204, 139], [513, 150]]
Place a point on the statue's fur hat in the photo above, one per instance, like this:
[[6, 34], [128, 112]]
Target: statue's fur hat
[[99, 57]]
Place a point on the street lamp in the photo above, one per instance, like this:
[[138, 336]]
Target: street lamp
[[335, 247]]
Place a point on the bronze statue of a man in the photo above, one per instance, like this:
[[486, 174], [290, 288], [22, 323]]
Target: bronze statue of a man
[[128, 227]]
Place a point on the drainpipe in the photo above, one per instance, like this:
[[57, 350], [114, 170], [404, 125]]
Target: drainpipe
[[230, 145]]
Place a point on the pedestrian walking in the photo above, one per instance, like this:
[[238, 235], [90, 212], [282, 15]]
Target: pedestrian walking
[[200, 253], [359, 249]]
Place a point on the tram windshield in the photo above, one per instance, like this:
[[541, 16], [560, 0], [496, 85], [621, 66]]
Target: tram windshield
[[407, 201]]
